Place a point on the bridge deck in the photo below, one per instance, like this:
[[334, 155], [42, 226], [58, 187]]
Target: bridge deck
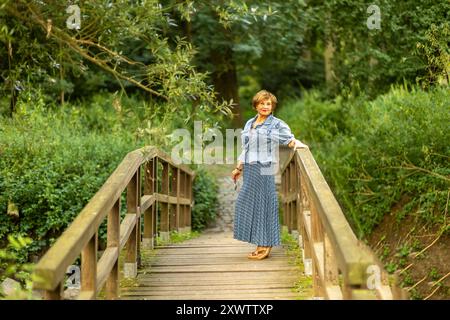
[[215, 266]]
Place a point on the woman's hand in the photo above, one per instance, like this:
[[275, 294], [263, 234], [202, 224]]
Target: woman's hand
[[299, 145], [235, 174]]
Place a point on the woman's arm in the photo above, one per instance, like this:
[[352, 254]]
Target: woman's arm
[[285, 137]]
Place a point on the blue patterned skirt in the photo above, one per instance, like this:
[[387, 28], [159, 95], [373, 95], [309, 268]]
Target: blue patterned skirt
[[256, 218]]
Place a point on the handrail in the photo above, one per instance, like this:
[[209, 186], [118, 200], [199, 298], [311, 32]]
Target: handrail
[[342, 267], [80, 237]]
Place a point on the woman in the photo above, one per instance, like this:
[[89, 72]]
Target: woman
[[256, 211]]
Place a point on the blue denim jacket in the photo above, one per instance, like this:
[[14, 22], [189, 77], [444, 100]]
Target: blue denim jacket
[[261, 144]]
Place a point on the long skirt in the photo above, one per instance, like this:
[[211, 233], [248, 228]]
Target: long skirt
[[256, 218]]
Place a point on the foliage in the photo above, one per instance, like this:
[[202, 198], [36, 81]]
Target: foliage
[[177, 237], [51, 164], [370, 60], [120, 45], [375, 152], [206, 204], [437, 52], [13, 266]]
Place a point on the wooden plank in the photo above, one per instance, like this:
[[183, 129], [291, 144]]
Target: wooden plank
[[236, 276], [126, 227], [113, 241], [351, 260], [106, 264], [182, 287], [319, 258], [147, 201], [156, 282], [86, 295], [56, 294], [168, 159], [213, 264], [218, 268], [89, 266], [334, 292], [232, 296], [207, 291], [202, 245], [385, 293], [307, 221]]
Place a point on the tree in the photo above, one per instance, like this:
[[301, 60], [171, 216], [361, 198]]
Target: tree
[[126, 40]]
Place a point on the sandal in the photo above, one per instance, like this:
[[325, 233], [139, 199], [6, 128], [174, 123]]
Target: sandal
[[254, 254], [264, 254]]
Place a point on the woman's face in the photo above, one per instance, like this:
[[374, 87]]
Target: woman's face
[[264, 107]]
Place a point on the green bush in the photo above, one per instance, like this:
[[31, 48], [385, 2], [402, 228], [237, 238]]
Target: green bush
[[51, 165], [375, 153], [206, 202]]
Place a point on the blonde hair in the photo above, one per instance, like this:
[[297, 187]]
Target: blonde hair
[[264, 95]]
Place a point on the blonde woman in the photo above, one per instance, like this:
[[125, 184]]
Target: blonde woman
[[256, 210]]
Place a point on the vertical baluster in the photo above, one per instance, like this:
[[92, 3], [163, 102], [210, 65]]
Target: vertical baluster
[[283, 196], [138, 212], [306, 231], [331, 272], [317, 242], [286, 204], [113, 239], [149, 215], [183, 208], [190, 192], [292, 212], [131, 260], [164, 222], [178, 208], [157, 205], [173, 221], [89, 267], [55, 294], [299, 208]]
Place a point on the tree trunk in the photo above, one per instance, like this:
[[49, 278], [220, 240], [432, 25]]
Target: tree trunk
[[225, 81]]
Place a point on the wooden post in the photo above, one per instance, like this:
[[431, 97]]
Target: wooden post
[[299, 208], [56, 294], [130, 265], [285, 204], [317, 244], [149, 214], [173, 220], [89, 267], [113, 241], [182, 194], [190, 191], [138, 213], [306, 219], [178, 209], [293, 212], [164, 226], [331, 272]]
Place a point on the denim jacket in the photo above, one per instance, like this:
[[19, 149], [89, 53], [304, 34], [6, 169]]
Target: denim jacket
[[261, 144]]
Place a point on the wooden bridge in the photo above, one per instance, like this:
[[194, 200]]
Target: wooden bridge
[[159, 199]]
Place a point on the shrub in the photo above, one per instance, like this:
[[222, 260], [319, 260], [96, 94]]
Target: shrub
[[206, 202], [373, 153], [50, 167]]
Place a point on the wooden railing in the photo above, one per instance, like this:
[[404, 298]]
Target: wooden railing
[[342, 267], [81, 237]]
